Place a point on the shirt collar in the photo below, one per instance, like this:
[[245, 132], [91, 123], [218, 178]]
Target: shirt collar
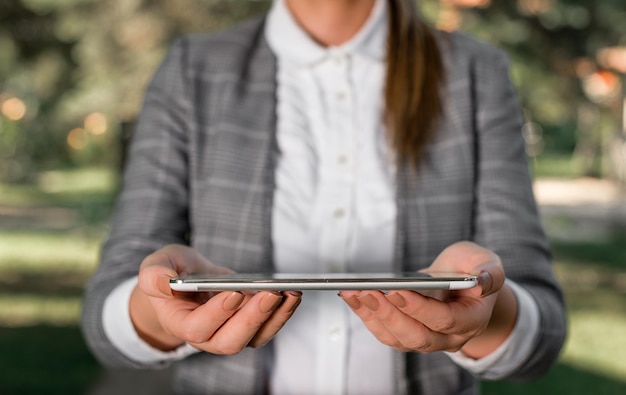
[[291, 43]]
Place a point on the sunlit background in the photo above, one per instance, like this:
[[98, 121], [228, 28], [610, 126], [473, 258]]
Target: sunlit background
[[72, 77]]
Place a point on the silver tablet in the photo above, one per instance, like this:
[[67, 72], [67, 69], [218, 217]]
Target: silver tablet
[[330, 282]]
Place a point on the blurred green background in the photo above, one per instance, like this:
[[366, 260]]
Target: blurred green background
[[72, 77]]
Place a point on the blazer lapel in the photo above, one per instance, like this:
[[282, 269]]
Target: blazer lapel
[[242, 150]]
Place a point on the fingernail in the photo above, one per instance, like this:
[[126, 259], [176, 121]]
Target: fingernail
[[396, 299], [164, 285], [370, 301], [486, 282], [353, 302], [295, 306], [233, 301], [294, 294], [270, 301]]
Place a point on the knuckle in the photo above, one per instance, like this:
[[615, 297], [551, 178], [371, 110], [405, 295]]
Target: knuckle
[[401, 348], [390, 341], [445, 324], [422, 344], [257, 343], [471, 331], [388, 318], [456, 343], [223, 348], [194, 337], [455, 347]]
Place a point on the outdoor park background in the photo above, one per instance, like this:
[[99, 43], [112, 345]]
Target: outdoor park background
[[72, 75]]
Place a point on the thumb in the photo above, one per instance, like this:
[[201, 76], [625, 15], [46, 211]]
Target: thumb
[[155, 280], [490, 278]]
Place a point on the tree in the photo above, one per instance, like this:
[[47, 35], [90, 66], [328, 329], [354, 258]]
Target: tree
[[559, 54], [79, 67]]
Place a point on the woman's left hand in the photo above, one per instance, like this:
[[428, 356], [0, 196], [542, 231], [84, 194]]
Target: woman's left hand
[[476, 320]]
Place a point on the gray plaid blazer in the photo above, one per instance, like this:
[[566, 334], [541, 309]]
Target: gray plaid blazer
[[201, 173]]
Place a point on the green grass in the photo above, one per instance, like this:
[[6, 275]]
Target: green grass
[[33, 309], [73, 250], [591, 362], [62, 188], [84, 194], [550, 165], [46, 257], [563, 379], [595, 344], [593, 275], [43, 274], [609, 253], [597, 341], [45, 359]]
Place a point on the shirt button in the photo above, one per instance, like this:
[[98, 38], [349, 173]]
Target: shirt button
[[335, 332], [342, 159], [341, 96], [339, 213]]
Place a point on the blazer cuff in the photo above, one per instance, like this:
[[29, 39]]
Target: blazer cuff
[[518, 347], [120, 331]]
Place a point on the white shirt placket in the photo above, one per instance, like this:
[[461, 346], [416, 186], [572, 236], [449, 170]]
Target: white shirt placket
[[337, 198]]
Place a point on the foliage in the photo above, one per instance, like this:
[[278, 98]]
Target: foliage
[[73, 72], [555, 47]]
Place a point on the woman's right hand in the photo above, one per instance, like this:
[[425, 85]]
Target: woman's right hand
[[219, 323]]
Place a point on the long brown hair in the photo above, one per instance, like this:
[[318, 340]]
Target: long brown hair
[[415, 73]]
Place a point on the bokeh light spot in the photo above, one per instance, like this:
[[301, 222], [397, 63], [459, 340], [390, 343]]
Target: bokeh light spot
[[77, 139], [96, 123], [14, 109]]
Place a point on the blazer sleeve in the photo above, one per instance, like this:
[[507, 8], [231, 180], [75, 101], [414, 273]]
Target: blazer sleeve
[[506, 214], [152, 208]]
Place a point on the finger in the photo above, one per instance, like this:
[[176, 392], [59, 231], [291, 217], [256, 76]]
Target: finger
[[169, 262], [365, 308], [176, 257], [459, 316], [193, 322], [237, 332], [154, 281], [185, 259], [291, 301], [467, 257], [410, 333]]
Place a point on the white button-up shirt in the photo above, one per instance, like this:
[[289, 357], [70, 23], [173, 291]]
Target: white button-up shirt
[[334, 211], [334, 204]]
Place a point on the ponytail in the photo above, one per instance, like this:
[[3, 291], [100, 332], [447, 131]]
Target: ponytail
[[415, 73]]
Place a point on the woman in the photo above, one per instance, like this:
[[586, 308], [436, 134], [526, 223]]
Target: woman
[[330, 136]]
